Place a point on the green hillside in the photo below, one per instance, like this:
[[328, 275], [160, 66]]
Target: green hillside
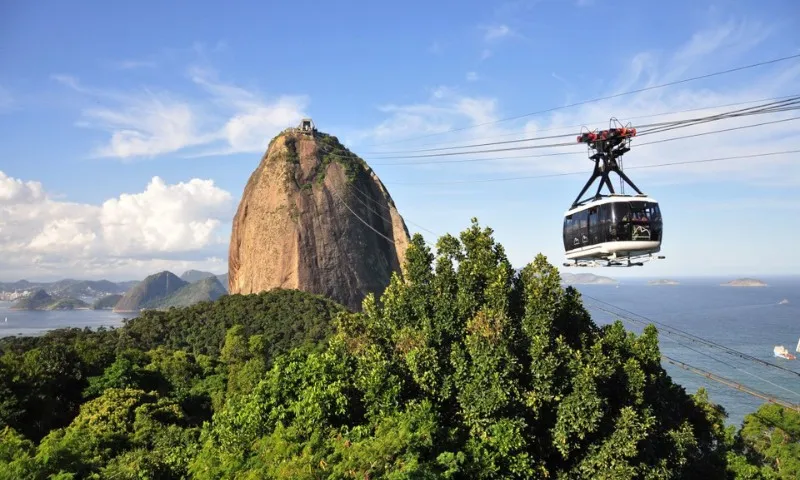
[[38, 300], [106, 303], [67, 303], [205, 290], [149, 290]]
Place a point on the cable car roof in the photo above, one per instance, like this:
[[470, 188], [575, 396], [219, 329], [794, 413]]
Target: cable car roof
[[614, 198]]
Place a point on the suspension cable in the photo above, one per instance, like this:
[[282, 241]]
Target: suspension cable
[[598, 99]]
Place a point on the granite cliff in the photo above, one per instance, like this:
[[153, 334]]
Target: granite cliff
[[314, 217]]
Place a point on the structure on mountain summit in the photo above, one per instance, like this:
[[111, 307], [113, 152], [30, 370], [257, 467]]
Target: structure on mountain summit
[[315, 217], [307, 126]]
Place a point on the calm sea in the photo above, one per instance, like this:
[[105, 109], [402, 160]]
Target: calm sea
[[749, 320], [22, 322]]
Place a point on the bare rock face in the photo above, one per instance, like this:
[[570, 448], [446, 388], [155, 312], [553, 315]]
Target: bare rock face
[[315, 217]]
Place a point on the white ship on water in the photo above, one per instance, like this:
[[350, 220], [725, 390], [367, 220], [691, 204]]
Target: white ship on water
[[782, 352]]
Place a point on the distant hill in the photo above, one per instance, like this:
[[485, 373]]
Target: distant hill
[[38, 300], [41, 300], [106, 303], [205, 290], [152, 288], [128, 284], [586, 279], [223, 279], [744, 282], [68, 303], [84, 288], [192, 276], [67, 287], [663, 282]]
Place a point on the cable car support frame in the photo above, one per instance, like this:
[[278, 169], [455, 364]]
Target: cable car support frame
[[606, 148]]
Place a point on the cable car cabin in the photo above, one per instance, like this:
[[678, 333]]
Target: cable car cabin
[[616, 226]]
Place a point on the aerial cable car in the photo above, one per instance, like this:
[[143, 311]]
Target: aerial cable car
[[612, 229]]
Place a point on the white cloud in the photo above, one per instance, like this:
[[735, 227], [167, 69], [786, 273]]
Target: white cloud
[[495, 32], [472, 76], [15, 191], [147, 123], [133, 234], [135, 64]]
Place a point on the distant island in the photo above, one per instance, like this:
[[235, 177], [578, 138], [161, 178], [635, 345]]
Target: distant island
[[744, 282], [586, 279], [41, 300], [663, 282]]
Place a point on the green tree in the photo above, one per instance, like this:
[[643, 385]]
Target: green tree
[[768, 445], [468, 369]]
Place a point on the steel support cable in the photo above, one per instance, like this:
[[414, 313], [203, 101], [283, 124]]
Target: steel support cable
[[565, 135], [783, 106], [565, 144], [732, 384], [551, 145], [693, 337], [359, 218], [505, 135], [583, 172], [525, 157], [598, 99], [640, 322], [367, 197]]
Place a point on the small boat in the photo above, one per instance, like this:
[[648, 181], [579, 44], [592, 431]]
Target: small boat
[[797, 349], [780, 351]]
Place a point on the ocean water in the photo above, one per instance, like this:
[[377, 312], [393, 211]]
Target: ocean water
[[750, 320], [22, 322]]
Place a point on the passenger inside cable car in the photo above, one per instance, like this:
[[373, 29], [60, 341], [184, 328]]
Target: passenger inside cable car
[[616, 221]]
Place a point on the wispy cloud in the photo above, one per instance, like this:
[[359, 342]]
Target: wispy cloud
[[472, 76], [495, 32], [147, 123], [456, 110], [135, 64]]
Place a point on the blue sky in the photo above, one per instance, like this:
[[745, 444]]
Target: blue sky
[[129, 130]]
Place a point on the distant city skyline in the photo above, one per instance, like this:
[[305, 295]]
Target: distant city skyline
[[129, 136]]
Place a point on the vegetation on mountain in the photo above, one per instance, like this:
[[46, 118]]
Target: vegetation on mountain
[[41, 300], [106, 303], [463, 369], [192, 276], [207, 289], [151, 289], [67, 304], [38, 300]]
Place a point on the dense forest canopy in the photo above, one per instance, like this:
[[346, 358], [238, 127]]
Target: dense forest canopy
[[464, 369]]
